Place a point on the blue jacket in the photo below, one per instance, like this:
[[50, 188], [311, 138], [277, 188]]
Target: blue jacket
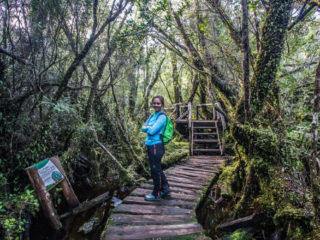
[[154, 126]]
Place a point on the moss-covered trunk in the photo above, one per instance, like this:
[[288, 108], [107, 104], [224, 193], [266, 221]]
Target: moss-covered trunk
[[267, 63]]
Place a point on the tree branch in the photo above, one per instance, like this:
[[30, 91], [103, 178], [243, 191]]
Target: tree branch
[[302, 14], [15, 57]]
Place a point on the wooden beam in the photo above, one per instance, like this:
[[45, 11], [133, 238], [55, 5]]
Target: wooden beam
[[67, 189], [44, 197]]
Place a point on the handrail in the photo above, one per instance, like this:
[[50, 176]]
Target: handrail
[[217, 115]]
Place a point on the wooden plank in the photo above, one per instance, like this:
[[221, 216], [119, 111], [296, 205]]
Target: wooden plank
[[203, 121], [205, 140], [185, 185], [193, 178], [190, 173], [200, 165], [139, 209], [213, 158], [205, 133], [173, 189], [185, 174], [165, 202], [87, 205], [185, 180], [120, 219], [213, 164], [206, 150], [151, 231], [187, 197], [207, 160], [195, 169]]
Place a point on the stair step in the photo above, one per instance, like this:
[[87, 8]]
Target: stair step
[[205, 140], [206, 150], [204, 121], [205, 133], [213, 127]]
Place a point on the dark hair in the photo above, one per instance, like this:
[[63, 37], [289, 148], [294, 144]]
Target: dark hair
[[161, 98]]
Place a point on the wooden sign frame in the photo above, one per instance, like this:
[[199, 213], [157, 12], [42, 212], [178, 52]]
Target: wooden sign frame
[[44, 196]]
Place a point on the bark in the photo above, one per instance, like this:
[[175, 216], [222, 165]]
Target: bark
[[151, 84], [133, 90], [272, 44], [235, 34], [313, 164], [176, 85], [207, 59], [195, 85], [14, 56], [246, 59], [95, 82]]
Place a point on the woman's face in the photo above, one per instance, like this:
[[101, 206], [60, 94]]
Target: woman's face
[[156, 104]]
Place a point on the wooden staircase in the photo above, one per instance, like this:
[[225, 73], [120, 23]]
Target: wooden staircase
[[205, 137]]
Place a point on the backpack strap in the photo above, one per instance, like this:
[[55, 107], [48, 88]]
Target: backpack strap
[[166, 122]]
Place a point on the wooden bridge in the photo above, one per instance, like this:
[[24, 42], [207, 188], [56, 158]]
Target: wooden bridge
[[136, 218]]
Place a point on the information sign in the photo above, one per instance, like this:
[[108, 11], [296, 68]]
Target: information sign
[[49, 173]]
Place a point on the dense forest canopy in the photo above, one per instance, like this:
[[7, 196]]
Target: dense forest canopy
[[76, 72]]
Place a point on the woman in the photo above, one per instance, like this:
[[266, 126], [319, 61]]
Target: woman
[[154, 127]]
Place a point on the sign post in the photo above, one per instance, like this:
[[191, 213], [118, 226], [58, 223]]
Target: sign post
[[44, 176]]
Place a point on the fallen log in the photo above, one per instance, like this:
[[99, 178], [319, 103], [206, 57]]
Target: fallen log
[[121, 168], [248, 221], [87, 205]]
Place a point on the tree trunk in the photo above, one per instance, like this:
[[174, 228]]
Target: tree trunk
[[246, 59], [133, 90], [78, 59], [176, 85], [266, 67], [314, 163]]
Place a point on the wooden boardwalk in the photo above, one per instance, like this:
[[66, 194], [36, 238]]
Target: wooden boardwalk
[[136, 218]]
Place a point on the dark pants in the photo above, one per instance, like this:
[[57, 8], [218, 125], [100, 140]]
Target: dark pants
[[155, 153]]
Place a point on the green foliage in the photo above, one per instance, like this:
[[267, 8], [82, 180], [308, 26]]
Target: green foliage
[[14, 209], [240, 235]]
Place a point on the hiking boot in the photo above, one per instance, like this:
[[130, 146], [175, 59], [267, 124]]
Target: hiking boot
[[151, 197], [165, 194]]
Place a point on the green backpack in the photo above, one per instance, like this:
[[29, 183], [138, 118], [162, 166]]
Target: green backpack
[[167, 134]]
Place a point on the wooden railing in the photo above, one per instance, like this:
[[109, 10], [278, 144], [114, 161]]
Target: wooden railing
[[184, 114]]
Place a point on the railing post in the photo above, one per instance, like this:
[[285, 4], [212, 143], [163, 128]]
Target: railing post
[[197, 113], [189, 127], [177, 111]]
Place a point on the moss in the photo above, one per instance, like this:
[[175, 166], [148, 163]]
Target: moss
[[290, 212], [174, 153], [231, 178], [173, 158], [263, 142]]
